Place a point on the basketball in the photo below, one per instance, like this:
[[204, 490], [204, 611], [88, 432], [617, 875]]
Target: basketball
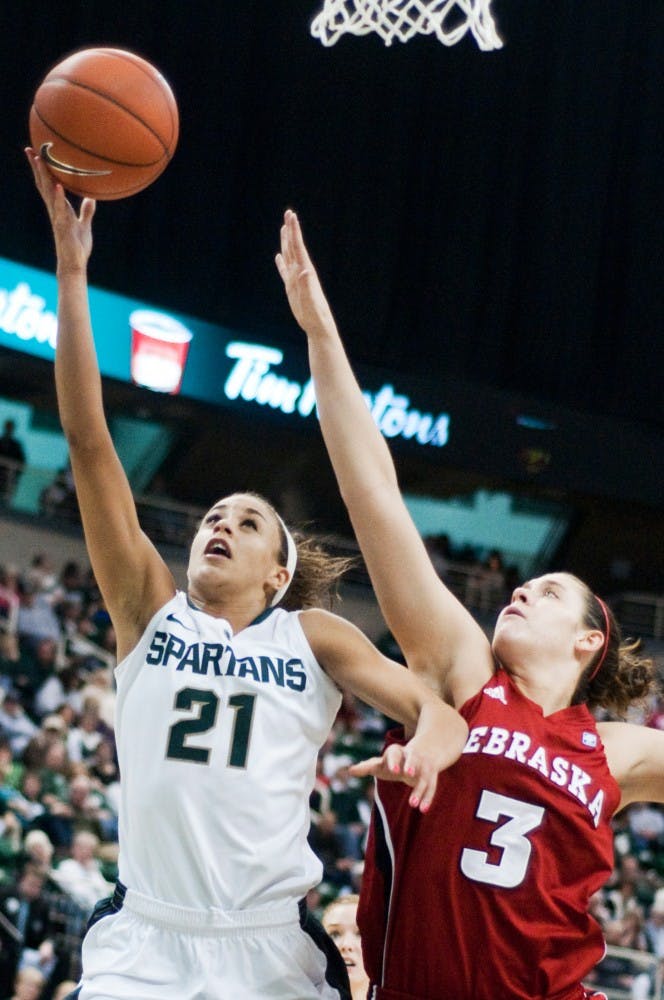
[[105, 122]]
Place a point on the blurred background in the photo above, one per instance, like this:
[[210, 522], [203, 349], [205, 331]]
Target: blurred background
[[488, 228]]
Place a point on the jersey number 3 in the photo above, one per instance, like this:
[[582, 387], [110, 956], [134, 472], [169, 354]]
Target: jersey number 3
[[510, 837], [205, 706]]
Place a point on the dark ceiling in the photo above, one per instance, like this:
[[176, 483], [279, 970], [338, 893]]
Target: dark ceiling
[[493, 216]]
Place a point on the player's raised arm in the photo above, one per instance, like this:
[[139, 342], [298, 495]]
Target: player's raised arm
[[428, 622], [131, 575], [436, 732], [636, 758]]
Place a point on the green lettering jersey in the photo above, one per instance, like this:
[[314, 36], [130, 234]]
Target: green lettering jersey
[[217, 738]]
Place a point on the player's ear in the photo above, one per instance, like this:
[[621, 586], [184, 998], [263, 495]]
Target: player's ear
[[278, 578], [589, 640]]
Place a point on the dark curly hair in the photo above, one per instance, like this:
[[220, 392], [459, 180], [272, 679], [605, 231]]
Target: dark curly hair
[[617, 676]]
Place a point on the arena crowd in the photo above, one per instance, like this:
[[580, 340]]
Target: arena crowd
[[59, 782]]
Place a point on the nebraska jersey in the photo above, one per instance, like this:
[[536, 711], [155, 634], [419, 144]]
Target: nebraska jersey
[[486, 896], [217, 738]]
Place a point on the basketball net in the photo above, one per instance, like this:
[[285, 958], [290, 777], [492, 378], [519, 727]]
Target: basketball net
[[448, 20]]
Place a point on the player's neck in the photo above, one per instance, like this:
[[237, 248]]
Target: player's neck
[[239, 612], [550, 688]]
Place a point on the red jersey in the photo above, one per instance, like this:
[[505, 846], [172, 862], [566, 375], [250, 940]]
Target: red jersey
[[486, 896]]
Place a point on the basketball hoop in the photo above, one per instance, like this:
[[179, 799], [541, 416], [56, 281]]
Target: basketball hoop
[[448, 20]]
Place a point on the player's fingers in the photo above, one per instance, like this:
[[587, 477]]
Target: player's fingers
[[88, 208], [428, 794], [412, 762], [36, 167], [298, 241], [292, 237], [281, 266], [394, 758], [286, 248], [372, 765], [424, 787], [423, 793]]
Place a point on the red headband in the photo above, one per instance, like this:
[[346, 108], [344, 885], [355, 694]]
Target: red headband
[[605, 647]]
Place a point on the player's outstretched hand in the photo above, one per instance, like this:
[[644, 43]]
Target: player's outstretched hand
[[72, 232], [303, 288], [404, 763]]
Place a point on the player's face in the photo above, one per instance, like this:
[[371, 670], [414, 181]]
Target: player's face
[[340, 922], [545, 616], [237, 542]]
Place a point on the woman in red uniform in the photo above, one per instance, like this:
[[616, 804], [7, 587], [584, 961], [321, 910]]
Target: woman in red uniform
[[486, 897]]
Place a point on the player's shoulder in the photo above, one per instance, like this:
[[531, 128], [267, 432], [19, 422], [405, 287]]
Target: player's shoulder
[[320, 621], [627, 743]]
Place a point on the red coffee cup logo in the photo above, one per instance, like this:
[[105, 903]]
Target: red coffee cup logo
[[159, 348]]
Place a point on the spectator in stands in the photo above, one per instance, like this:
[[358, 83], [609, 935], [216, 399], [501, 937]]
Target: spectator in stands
[[89, 810], [9, 605], [12, 462], [327, 843], [345, 793], [654, 926], [80, 875], [629, 932], [29, 984], [36, 617], [11, 770], [59, 690], [619, 975], [485, 589], [38, 851], [42, 575], [31, 791], [15, 724], [628, 893], [37, 662], [70, 584], [11, 833], [340, 921], [599, 909], [105, 772], [319, 800], [53, 729], [25, 810], [26, 930], [59, 497], [54, 776], [72, 621], [84, 738], [99, 690], [646, 826]]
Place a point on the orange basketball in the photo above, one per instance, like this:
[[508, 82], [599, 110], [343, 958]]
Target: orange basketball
[[105, 122]]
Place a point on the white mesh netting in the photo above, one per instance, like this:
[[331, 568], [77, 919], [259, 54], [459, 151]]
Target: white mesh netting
[[448, 20]]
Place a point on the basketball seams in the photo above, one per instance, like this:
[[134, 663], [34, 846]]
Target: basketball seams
[[149, 71], [111, 100], [125, 192], [90, 152], [112, 108]]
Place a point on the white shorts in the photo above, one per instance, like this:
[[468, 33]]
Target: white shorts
[[151, 950]]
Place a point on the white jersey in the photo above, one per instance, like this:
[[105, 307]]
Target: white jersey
[[217, 739]]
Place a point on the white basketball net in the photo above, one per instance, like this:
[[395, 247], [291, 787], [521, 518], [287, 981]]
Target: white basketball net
[[448, 20]]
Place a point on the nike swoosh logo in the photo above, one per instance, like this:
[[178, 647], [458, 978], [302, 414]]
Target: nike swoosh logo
[[67, 168], [173, 618]]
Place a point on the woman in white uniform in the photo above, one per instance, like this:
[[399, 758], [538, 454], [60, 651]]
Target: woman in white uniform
[[224, 698]]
